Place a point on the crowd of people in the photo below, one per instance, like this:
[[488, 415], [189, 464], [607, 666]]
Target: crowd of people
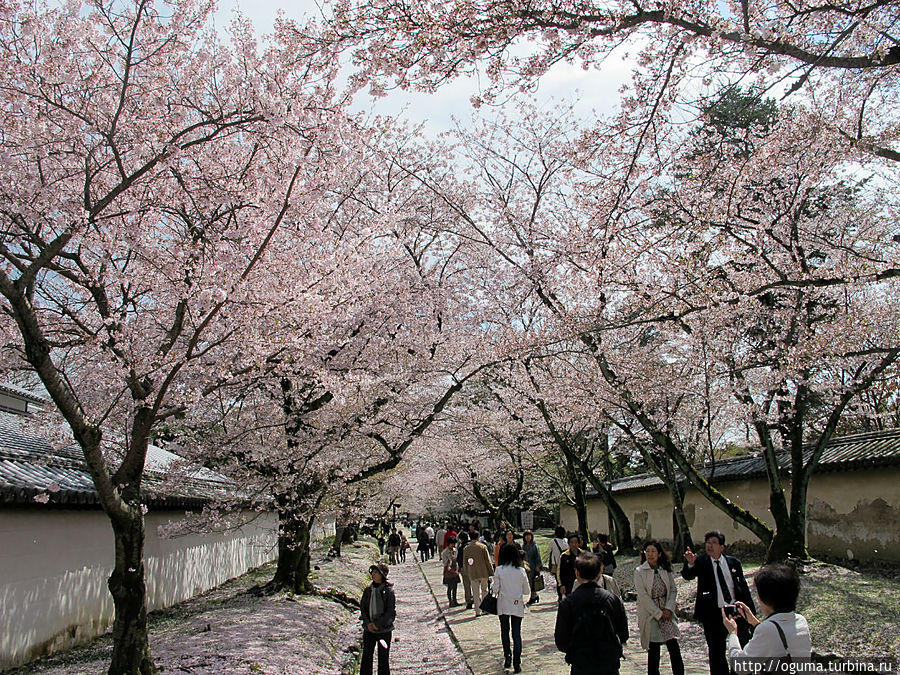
[[502, 575]]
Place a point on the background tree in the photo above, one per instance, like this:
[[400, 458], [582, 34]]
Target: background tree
[[147, 170], [844, 56], [360, 355]]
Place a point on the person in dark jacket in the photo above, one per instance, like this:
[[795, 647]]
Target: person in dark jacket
[[394, 542], [720, 582], [533, 558], [591, 625], [424, 547], [566, 572], [377, 611]]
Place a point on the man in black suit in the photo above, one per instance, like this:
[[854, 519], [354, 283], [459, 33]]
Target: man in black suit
[[720, 581]]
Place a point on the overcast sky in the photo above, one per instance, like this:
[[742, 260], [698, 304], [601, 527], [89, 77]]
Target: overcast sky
[[595, 90]]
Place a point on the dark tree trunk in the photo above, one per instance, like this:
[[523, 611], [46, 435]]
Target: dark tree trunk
[[580, 503], [662, 466], [500, 510], [681, 531], [292, 571], [790, 530], [131, 646], [343, 534], [665, 443], [622, 531]]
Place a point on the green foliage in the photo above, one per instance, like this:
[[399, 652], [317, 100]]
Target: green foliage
[[733, 122], [737, 110]]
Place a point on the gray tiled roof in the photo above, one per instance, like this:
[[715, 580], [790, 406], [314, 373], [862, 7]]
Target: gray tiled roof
[[29, 465], [23, 394], [881, 448]]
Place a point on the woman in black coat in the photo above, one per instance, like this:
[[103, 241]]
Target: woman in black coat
[[377, 611]]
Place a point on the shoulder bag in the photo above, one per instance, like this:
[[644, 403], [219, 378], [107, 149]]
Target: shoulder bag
[[489, 604]]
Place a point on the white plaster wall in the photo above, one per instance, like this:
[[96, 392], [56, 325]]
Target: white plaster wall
[[849, 514], [54, 566]]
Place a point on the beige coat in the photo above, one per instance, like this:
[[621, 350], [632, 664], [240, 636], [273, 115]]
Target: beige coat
[[647, 609], [477, 560]]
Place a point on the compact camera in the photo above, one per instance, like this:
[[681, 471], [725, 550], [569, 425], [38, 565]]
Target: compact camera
[[731, 610]]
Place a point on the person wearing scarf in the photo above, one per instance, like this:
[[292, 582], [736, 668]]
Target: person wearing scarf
[[377, 611]]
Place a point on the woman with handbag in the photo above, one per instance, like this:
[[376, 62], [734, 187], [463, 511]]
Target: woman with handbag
[[784, 634], [451, 570], [511, 586], [533, 558]]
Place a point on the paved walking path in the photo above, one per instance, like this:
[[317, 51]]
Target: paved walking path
[[422, 644], [479, 638]]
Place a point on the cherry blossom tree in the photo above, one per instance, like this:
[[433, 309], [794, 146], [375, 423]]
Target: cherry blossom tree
[[800, 259], [147, 169], [641, 258], [361, 355], [843, 56]]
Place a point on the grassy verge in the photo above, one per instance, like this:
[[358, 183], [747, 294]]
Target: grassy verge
[[852, 613]]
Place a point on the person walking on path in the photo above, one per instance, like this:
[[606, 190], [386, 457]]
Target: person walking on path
[[429, 530], [554, 550], [783, 634], [404, 546], [720, 582], [480, 568], [424, 547], [451, 532], [463, 541], [591, 625], [566, 571], [439, 540], [656, 591], [451, 570], [505, 537], [377, 611], [394, 542], [535, 565], [604, 581], [604, 549], [511, 586]]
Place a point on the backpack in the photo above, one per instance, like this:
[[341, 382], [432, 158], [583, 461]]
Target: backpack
[[593, 631]]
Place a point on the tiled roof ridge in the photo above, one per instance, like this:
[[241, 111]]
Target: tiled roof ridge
[[835, 441], [755, 465], [13, 390], [31, 467]]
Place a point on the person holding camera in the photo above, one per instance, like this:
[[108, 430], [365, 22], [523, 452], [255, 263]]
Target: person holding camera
[[656, 591], [720, 583], [783, 634]]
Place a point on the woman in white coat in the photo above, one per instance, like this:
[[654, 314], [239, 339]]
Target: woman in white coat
[[656, 593], [511, 588], [784, 634]]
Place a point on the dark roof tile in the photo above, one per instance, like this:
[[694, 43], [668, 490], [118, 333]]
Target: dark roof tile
[[30, 467], [880, 448]]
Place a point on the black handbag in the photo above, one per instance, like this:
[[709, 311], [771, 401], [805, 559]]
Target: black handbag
[[489, 604]]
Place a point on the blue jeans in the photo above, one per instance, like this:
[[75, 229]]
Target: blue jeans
[[516, 621]]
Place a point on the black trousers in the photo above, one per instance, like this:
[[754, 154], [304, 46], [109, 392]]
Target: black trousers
[[716, 635], [370, 641], [513, 652], [674, 657]]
